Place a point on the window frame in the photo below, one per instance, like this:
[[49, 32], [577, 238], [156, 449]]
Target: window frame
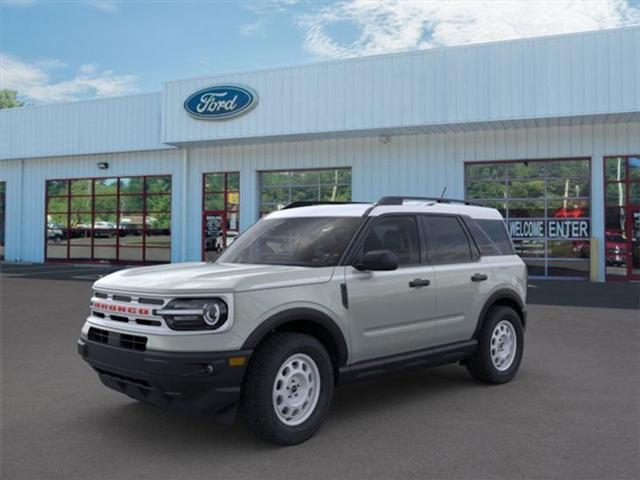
[[3, 216], [92, 213], [358, 223], [627, 207], [545, 261], [474, 251], [353, 251], [224, 212], [469, 221], [289, 185]]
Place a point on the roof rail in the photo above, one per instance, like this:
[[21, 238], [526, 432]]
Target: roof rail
[[310, 203], [399, 200]]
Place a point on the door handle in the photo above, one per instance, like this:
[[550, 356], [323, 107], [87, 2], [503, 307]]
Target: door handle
[[419, 282], [479, 277]]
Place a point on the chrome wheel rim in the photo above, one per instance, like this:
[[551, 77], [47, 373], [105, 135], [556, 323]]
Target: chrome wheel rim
[[504, 344], [296, 389]]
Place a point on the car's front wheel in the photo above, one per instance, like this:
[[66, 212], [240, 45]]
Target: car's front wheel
[[500, 347], [288, 388]]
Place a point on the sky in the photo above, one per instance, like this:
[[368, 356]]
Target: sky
[[56, 51]]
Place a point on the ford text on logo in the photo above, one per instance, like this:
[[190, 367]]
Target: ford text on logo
[[110, 307], [221, 102]]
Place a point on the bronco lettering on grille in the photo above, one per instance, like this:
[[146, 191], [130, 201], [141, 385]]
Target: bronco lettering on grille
[[110, 307]]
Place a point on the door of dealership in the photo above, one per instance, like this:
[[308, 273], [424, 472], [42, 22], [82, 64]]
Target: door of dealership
[[113, 220], [622, 217], [547, 206], [220, 212]]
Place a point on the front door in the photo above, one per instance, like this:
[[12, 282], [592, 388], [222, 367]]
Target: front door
[[220, 212], [633, 228], [622, 217], [214, 234], [390, 311]]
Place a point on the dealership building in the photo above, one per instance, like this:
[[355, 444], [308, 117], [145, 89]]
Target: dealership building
[[547, 130]]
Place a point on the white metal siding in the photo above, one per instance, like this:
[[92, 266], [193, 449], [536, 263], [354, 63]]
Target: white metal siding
[[562, 76], [26, 193], [97, 126], [11, 174], [419, 164]]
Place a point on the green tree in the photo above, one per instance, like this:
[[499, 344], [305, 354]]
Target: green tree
[[9, 99]]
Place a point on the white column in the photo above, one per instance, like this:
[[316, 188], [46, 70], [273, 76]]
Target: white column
[[249, 198]]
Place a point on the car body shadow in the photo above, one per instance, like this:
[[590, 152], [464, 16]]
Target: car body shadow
[[138, 423]]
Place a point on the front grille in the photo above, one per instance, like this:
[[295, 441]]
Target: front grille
[[98, 335], [115, 339], [148, 323], [121, 298], [117, 376], [129, 299], [151, 301], [127, 309], [133, 342]]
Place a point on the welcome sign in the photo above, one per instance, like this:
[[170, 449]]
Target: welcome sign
[[570, 229], [221, 102]]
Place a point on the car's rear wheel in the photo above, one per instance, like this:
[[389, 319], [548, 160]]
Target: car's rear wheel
[[288, 388], [500, 347]]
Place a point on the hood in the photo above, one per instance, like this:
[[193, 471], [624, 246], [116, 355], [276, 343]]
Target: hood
[[195, 277]]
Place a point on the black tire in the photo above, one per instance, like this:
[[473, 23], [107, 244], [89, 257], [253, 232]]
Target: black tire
[[257, 404], [480, 366]]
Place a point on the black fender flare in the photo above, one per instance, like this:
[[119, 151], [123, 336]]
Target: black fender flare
[[306, 315], [503, 294]]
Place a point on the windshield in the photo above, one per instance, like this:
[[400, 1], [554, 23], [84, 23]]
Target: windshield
[[300, 241]]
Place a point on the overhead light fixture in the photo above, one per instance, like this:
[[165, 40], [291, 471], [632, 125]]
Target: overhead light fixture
[[103, 165]]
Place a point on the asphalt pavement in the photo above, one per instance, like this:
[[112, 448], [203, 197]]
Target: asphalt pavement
[[572, 412]]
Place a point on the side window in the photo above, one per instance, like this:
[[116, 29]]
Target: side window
[[398, 234], [486, 245], [496, 230], [446, 240]]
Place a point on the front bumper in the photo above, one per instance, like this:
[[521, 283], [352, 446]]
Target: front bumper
[[195, 382]]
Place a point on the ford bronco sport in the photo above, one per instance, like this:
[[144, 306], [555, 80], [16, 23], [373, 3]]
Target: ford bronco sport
[[310, 297]]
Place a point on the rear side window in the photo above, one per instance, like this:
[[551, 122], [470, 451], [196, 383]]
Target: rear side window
[[446, 240], [492, 238]]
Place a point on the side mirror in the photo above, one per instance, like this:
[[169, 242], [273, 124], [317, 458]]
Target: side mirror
[[377, 260]]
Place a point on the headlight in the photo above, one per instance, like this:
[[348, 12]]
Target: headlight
[[195, 313]]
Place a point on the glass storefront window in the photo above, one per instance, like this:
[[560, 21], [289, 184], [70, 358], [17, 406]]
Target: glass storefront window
[[109, 219], [547, 207], [616, 194], [634, 193], [131, 185], [106, 186], [279, 188], [526, 169], [634, 168], [615, 169], [220, 212], [81, 187], [622, 217], [482, 171], [3, 189], [481, 189]]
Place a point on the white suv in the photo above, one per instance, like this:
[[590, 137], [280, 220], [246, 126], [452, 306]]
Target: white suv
[[310, 297]]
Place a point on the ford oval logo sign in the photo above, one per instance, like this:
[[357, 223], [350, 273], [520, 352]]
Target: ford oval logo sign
[[221, 102]]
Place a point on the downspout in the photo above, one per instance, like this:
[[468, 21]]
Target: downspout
[[23, 224], [185, 208]]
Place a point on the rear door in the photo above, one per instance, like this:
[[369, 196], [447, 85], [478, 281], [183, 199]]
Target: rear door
[[463, 279], [390, 311]]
